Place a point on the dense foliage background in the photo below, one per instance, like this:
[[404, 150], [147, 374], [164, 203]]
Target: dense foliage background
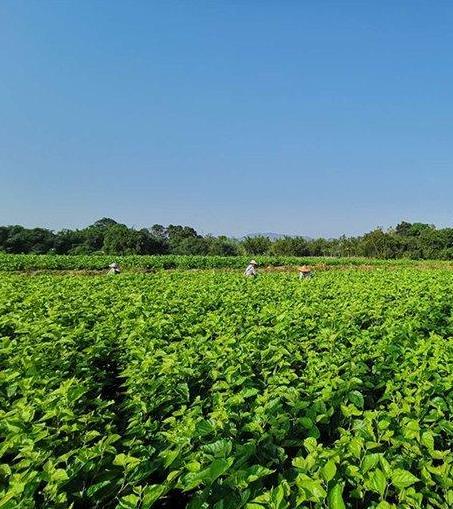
[[106, 236]]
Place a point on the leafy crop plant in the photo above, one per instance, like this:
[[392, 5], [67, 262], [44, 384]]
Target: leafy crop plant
[[210, 390]]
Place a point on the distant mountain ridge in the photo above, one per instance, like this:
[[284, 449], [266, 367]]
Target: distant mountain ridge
[[273, 235]]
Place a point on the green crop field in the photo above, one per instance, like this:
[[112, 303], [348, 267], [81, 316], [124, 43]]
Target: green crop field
[[206, 389], [27, 262]]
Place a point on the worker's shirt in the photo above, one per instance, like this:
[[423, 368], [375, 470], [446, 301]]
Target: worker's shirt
[[250, 271]]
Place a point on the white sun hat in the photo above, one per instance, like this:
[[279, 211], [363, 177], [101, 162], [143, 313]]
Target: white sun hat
[[253, 262], [113, 265]]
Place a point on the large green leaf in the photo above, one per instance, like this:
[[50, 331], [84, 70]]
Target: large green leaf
[[151, 494], [208, 475], [402, 478], [255, 472], [356, 398], [384, 505], [335, 497], [220, 448], [427, 439], [376, 481], [128, 502], [329, 470], [369, 462]]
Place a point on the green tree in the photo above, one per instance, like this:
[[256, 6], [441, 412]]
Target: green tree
[[379, 244], [319, 247], [191, 246], [121, 240], [104, 223], [181, 238], [4, 233], [258, 245], [68, 240], [221, 246], [406, 229], [290, 246], [28, 240]]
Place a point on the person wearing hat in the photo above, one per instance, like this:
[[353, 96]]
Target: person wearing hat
[[304, 272], [250, 271], [114, 269]]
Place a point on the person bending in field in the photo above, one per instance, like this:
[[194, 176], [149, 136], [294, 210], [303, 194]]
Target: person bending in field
[[250, 271], [305, 272], [114, 268]]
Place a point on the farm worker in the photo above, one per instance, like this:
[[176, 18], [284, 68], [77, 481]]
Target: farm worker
[[114, 268], [304, 272], [251, 269]]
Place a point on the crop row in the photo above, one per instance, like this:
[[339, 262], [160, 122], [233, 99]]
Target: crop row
[[29, 262], [210, 390]]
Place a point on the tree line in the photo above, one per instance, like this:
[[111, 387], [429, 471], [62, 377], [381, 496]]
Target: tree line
[[106, 236]]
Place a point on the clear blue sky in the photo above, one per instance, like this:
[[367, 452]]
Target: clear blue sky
[[300, 117]]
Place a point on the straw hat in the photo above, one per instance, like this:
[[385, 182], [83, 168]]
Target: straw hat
[[253, 262], [304, 268]]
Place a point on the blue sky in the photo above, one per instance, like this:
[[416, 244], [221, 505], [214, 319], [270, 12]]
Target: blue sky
[[299, 117]]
